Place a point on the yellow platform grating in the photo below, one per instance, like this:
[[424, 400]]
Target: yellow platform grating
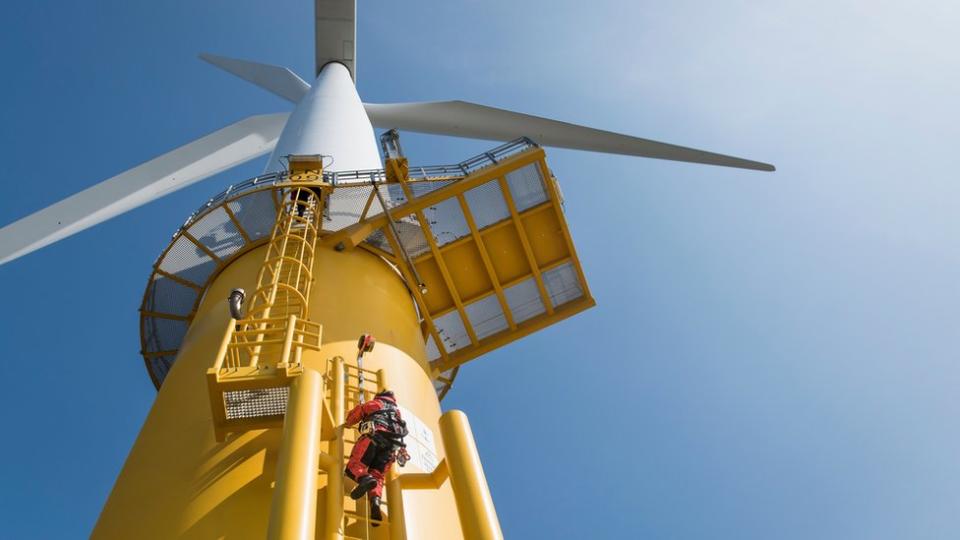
[[492, 251]]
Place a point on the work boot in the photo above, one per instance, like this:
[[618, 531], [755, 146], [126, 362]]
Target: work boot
[[364, 484], [376, 515]]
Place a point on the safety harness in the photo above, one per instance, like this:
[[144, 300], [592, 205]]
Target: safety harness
[[388, 418]]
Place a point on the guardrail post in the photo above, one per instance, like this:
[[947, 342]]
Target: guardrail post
[[224, 345], [293, 511], [334, 502], [288, 340], [478, 517]]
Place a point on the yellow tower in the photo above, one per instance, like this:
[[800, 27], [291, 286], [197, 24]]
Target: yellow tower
[[441, 264]]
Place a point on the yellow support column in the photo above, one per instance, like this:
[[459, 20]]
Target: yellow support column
[[478, 517], [293, 511], [333, 526], [398, 527]]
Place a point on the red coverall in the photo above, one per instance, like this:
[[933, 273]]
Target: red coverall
[[367, 457]]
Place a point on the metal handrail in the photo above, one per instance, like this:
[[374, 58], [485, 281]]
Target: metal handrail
[[372, 176]]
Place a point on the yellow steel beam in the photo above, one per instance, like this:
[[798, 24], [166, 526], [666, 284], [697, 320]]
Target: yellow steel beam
[[430, 480], [458, 358], [180, 280], [487, 263], [486, 232], [369, 203], [525, 242], [236, 223], [186, 234], [554, 194], [415, 290], [447, 278], [448, 384]]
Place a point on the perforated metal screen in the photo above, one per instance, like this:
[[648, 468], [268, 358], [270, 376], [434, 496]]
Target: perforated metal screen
[[260, 403]]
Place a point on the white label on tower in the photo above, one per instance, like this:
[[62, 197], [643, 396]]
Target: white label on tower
[[420, 442]]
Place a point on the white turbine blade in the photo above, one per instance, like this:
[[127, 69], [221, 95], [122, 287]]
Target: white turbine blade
[[336, 31], [462, 119], [274, 79], [204, 157]]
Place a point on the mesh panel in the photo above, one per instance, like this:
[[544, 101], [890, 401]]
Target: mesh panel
[[451, 330], [562, 284], [188, 261], [217, 233], [345, 206], [446, 221], [526, 186], [420, 189], [379, 240], [255, 213], [260, 403], [486, 316], [160, 367], [412, 239], [168, 296], [408, 228], [487, 204], [375, 207], [163, 334], [392, 194], [524, 300]]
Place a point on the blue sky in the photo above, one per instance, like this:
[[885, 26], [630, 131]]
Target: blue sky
[[772, 355]]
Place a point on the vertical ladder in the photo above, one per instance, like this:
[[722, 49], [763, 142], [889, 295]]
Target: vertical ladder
[[260, 355], [286, 276], [349, 518]]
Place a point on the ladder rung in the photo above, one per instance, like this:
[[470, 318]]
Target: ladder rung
[[358, 517]]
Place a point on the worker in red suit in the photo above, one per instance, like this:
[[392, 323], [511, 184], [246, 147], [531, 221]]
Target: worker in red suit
[[382, 431]]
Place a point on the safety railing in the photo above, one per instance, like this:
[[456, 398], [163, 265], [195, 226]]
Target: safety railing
[[378, 176], [290, 336], [251, 374]]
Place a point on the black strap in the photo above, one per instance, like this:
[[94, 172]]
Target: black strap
[[389, 418]]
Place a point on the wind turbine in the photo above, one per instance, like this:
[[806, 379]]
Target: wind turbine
[[328, 117], [324, 156]]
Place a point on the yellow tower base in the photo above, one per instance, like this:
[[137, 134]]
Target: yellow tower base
[[179, 482]]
